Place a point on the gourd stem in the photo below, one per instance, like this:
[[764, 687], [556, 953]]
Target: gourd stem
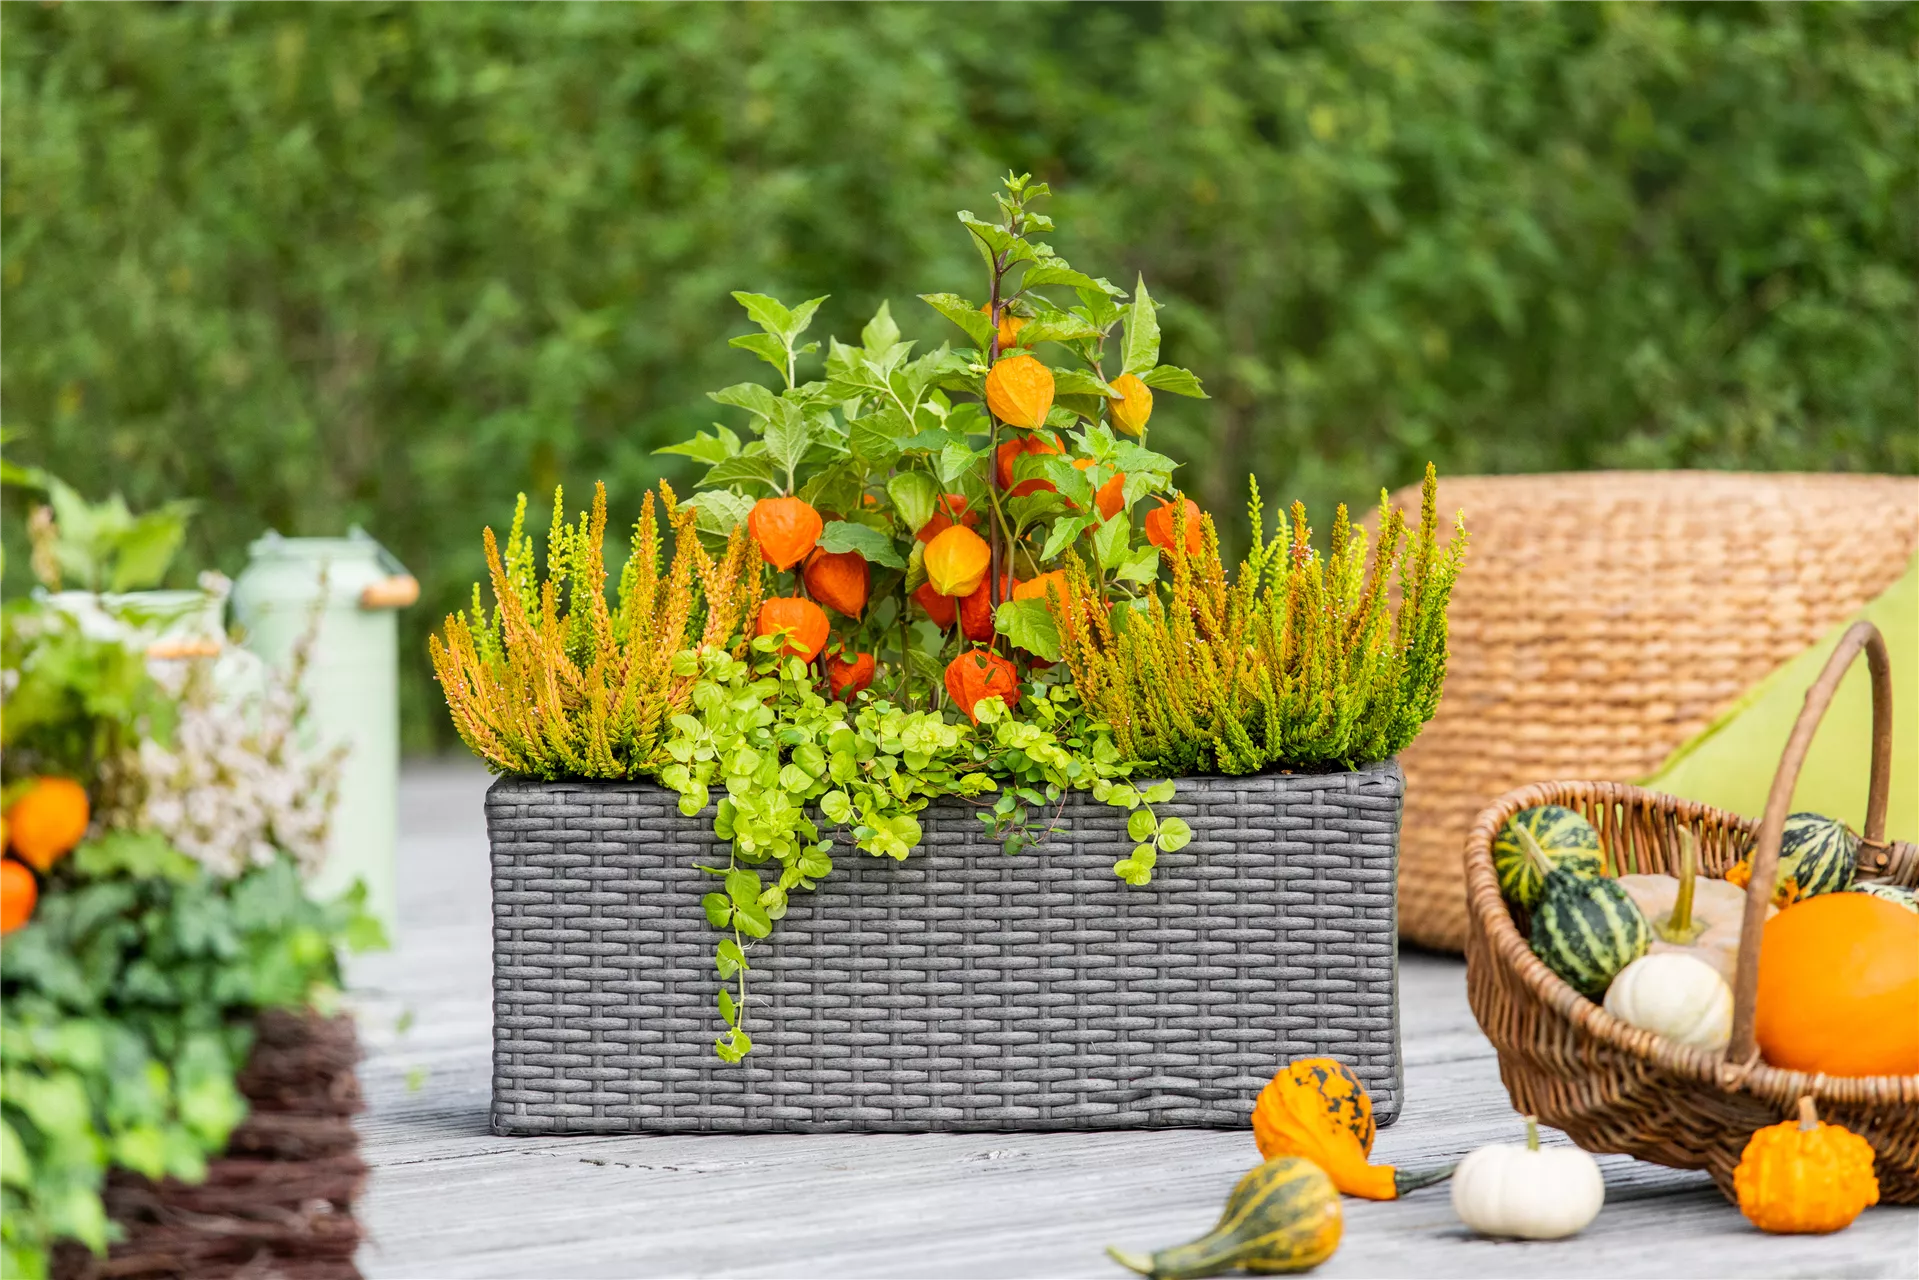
[[1131, 1261], [1533, 851], [1808, 1114], [1681, 919], [1532, 1133], [1405, 1180]]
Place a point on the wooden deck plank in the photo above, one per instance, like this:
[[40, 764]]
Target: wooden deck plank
[[447, 1199]]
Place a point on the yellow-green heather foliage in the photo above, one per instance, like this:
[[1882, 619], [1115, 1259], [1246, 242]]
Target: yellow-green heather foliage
[[590, 690], [1302, 660]]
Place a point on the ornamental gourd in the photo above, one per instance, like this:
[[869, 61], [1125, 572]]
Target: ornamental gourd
[[978, 674], [1133, 406], [1160, 521], [1816, 855], [47, 821], [1674, 995], [1839, 987], [18, 893], [1011, 451], [1283, 1216], [839, 580], [1530, 1192], [1805, 1176], [785, 528], [804, 620], [956, 561], [848, 676], [1897, 894], [1585, 927], [1692, 914], [1568, 839], [1019, 392], [1316, 1108]]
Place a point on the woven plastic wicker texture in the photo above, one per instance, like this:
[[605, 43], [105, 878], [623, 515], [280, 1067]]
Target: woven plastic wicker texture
[[958, 990], [1604, 618]]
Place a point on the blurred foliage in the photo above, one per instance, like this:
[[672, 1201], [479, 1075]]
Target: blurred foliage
[[312, 265]]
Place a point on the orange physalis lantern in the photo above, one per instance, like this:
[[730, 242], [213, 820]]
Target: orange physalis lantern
[[941, 609], [18, 892], [944, 510], [1010, 451], [1019, 392], [978, 674], [1159, 525], [46, 822], [1009, 325], [785, 528], [957, 561], [1110, 497], [1037, 588], [806, 620], [976, 610], [1133, 406], [847, 677], [839, 580]]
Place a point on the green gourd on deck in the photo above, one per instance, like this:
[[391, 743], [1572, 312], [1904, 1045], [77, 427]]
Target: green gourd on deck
[[1586, 928], [1569, 841], [1283, 1216]]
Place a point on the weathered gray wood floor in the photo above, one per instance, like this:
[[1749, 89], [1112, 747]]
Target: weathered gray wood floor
[[448, 1199]]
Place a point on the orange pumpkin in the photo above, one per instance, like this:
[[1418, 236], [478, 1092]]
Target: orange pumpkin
[[1317, 1108], [1805, 1176], [1019, 392], [839, 580], [1839, 987], [941, 609], [1011, 450], [804, 621], [785, 528], [1110, 497], [948, 510], [47, 820], [847, 677], [957, 561], [1159, 525], [978, 674], [1134, 405], [18, 893]]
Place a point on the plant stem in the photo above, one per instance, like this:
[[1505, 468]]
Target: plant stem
[[1532, 1133], [1808, 1114]]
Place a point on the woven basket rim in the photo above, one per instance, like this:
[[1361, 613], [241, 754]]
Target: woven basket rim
[[1489, 913]]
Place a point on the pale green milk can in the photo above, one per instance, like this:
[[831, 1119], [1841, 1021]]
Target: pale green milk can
[[352, 683]]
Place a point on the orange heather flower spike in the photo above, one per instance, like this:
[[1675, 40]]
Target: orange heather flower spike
[[978, 674], [839, 580], [806, 620], [1159, 526], [957, 561], [846, 678], [1133, 406], [1019, 392], [785, 528]]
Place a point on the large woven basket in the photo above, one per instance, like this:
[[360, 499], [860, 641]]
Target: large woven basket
[[1605, 618], [1614, 1087], [960, 989]]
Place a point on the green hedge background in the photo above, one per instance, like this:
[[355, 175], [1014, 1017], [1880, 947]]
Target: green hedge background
[[322, 264]]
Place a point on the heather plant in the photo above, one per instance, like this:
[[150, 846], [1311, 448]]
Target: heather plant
[[1302, 660]]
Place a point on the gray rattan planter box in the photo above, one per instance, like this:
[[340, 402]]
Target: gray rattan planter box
[[960, 989]]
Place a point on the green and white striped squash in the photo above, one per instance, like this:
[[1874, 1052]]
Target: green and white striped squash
[[1897, 894], [1817, 855], [1586, 928], [1569, 841]]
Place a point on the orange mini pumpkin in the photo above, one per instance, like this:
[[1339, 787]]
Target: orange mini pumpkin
[[847, 677], [1019, 392], [785, 528], [839, 580], [1159, 525], [18, 893], [1109, 498], [957, 561], [1318, 1109], [46, 822], [1134, 405], [1011, 450], [941, 609], [978, 674], [1805, 1176], [1839, 987], [805, 620]]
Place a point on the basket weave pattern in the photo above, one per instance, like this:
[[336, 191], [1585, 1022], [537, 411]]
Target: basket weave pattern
[[1604, 618], [958, 990]]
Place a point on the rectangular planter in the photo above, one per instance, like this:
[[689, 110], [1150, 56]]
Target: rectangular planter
[[960, 989]]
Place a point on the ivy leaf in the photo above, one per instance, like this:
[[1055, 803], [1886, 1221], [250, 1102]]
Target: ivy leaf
[[1174, 834], [1030, 625], [729, 1010], [971, 320], [1179, 381], [1141, 350], [753, 921], [1140, 824], [1158, 793], [729, 959], [718, 909], [743, 886], [845, 535]]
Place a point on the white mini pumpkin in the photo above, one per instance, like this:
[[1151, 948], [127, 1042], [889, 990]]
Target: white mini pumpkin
[[1532, 1192], [1675, 995]]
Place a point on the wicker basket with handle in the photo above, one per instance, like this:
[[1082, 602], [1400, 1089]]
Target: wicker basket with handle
[[1614, 1087]]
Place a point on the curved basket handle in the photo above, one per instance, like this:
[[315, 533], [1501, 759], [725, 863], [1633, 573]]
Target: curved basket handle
[[1765, 859]]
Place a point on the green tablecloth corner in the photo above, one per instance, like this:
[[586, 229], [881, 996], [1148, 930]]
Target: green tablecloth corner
[[1731, 762]]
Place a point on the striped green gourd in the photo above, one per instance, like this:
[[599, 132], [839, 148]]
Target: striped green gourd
[[1283, 1216], [1896, 894], [1586, 928], [1817, 855], [1568, 839]]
